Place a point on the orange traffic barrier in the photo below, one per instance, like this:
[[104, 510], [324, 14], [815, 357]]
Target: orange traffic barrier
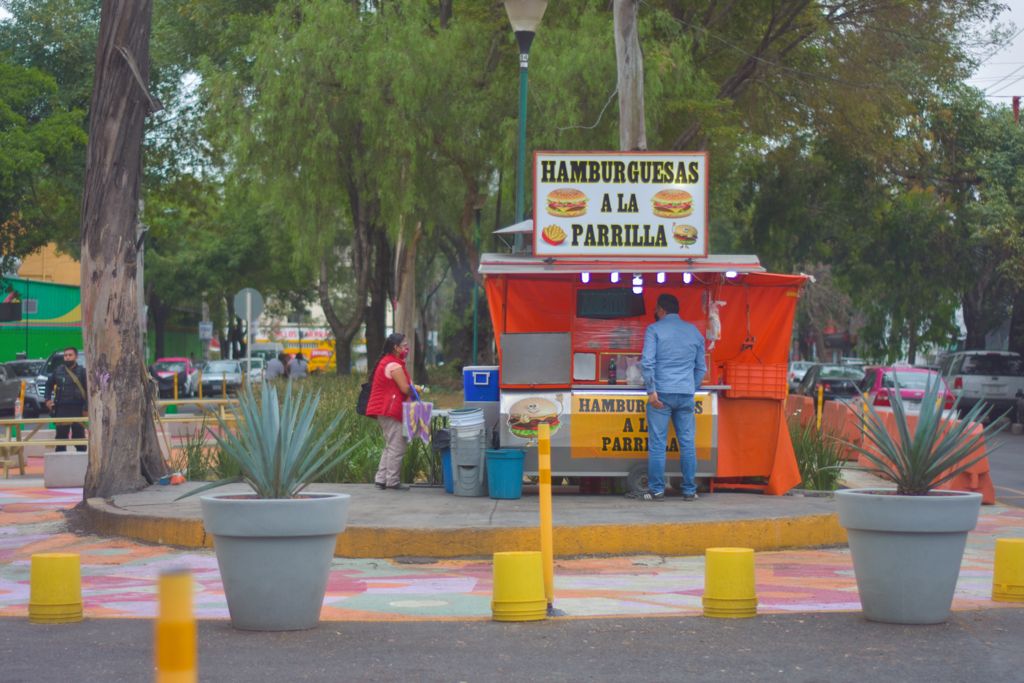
[[801, 407], [837, 422]]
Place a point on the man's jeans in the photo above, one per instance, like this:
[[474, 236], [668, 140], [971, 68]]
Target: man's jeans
[[678, 407]]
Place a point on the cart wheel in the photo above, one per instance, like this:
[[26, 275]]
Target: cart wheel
[[636, 480]]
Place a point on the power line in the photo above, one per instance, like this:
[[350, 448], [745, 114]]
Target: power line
[[1018, 80], [1000, 47], [762, 60], [1012, 73]]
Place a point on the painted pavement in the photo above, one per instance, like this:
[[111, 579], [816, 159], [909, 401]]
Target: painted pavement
[[119, 577]]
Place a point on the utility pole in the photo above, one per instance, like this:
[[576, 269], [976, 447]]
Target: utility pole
[[630, 60]]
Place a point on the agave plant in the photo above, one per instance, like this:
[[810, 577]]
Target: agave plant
[[274, 445], [939, 448]]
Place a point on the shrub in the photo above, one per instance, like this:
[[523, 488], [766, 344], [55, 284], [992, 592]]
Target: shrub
[[818, 456]]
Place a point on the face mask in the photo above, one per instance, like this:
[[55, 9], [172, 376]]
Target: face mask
[[403, 353], [70, 363]]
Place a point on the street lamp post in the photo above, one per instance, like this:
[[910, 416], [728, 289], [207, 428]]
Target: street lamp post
[[525, 16], [476, 287]]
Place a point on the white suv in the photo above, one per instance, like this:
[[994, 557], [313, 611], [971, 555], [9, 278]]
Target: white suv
[[993, 377]]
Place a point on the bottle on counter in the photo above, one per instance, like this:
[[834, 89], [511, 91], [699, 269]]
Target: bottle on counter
[[612, 372]]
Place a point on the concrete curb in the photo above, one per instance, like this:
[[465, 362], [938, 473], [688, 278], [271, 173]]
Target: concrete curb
[[685, 538]]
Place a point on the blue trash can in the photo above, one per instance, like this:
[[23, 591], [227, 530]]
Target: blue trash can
[[505, 473], [446, 470]]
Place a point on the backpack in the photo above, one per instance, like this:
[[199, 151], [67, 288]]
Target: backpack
[[364, 399]]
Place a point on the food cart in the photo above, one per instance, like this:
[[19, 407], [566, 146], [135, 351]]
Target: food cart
[[569, 326]]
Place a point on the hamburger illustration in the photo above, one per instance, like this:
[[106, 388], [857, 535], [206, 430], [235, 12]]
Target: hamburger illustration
[[686, 235], [671, 203], [527, 414], [567, 202], [553, 235]]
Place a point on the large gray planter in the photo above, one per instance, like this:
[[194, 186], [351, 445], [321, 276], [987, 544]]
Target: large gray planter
[[907, 550], [275, 555]]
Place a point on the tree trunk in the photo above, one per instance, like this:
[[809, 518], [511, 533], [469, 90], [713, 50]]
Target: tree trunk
[[124, 454], [1017, 324], [912, 342], [377, 308], [344, 331], [973, 305], [630, 60], [405, 285], [160, 313]]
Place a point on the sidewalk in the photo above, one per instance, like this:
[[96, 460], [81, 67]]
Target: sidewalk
[[119, 575]]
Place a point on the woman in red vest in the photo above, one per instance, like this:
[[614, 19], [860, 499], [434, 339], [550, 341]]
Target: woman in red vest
[[390, 386]]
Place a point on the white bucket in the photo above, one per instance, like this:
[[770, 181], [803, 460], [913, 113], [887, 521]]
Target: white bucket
[[466, 418]]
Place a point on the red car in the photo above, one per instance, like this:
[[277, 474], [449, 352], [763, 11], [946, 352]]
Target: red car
[[164, 370], [880, 385]]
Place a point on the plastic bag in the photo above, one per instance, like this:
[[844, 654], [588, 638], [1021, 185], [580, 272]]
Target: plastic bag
[[416, 418]]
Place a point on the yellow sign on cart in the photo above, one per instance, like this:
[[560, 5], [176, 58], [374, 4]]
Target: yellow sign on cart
[[611, 425]]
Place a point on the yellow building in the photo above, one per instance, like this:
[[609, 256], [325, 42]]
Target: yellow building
[[47, 265]]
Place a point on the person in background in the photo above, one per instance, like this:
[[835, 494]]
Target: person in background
[[299, 367], [673, 367], [390, 385], [275, 367], [66, 396]]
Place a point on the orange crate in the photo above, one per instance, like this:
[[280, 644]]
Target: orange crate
[[755, 380]]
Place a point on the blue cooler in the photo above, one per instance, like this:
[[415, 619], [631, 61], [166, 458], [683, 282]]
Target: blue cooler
[[480, 382]]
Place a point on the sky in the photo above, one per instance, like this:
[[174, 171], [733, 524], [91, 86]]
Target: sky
[[1002, 74]]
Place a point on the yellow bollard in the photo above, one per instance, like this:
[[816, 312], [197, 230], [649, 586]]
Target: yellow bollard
[[200, 385], [547, 545], [1008, 572], [729, 583], [55, 591], [821, 405], [174, 636], [175, 386], [518, 587]]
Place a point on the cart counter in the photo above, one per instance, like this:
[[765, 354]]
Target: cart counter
[[600, 431]]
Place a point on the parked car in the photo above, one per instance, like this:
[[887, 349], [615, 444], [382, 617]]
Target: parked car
[[11, 377], [52, 363], [164, 371], [27, 369], [879, 384], [797, 370], [837, 381], [221, 374], [994, 377], [256, 366]]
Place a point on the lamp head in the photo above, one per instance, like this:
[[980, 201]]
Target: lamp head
[[525, 15]]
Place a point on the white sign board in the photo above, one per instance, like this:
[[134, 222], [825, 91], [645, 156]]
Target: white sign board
[[620, 204], [205, 330]]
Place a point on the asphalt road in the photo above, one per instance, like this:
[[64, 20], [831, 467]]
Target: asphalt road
[[981, 646], [1006, 467]]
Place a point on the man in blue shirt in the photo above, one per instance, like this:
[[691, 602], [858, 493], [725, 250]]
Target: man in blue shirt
[[673, 367]]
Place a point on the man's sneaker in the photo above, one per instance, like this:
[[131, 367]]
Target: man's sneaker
[[399, 487], [689, 497], [646, 496]]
